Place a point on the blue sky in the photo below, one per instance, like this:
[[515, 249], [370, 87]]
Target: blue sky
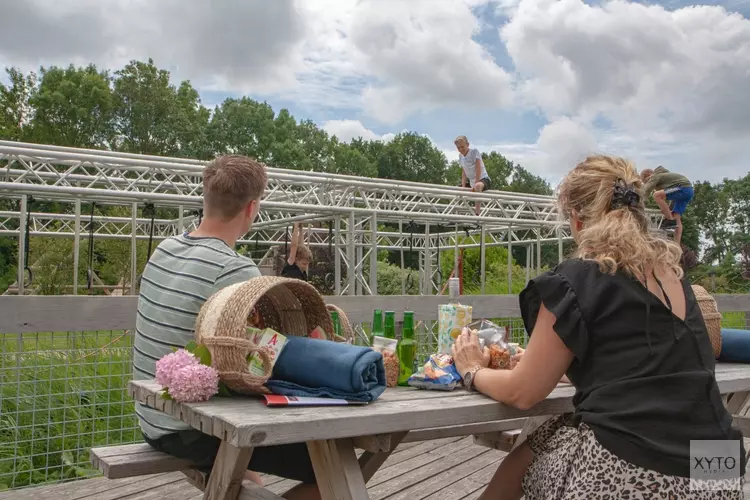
[[544, 82]]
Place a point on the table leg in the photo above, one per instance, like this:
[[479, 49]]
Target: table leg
[[736, 402], [228, 471], [336, 470], [370, 462]]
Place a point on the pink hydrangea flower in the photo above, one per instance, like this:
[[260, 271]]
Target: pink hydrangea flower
[[169, 365], [194, 383]]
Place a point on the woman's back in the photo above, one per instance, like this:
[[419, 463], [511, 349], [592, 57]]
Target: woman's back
[[643, 367]]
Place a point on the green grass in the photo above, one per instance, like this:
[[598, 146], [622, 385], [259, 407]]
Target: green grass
[[62, 393]]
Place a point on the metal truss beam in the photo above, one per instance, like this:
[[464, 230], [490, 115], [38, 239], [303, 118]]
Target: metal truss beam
[[117, 178], [63, 225], [356, 208]]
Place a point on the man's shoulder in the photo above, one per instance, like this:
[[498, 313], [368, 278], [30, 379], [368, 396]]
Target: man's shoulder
[[187, 245]]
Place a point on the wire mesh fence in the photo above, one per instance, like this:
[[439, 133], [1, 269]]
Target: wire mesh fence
[[62, 393]]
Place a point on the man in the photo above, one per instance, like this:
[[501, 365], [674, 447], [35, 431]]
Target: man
[[180, 276], [669, 187]]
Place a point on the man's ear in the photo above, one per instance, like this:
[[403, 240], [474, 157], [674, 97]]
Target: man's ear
[[250, 208]]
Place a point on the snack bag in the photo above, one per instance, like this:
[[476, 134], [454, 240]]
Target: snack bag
[[387, 347], [439, 374], [495, 337], [268, 338], [452, 318]]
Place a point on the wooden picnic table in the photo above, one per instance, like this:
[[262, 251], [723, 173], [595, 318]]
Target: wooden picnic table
[[331, 433]]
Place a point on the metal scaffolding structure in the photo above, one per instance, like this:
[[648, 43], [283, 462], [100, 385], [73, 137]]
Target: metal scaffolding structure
[[355, 210]]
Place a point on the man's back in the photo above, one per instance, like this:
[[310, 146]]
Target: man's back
[[664, 179], [180, 276]]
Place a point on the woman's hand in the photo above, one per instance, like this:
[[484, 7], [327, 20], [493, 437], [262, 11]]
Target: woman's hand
[[467, 354]]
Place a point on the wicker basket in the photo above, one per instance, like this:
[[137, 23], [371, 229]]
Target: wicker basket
[[711, 316], [289, 306]]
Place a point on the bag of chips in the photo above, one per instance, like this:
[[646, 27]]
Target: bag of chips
[[496, 339], [439, 374]]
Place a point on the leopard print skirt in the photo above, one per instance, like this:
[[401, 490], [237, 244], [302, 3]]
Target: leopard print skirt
[[569, 463]]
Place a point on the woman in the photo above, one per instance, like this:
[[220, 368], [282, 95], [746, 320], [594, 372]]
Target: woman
[[624, 326]]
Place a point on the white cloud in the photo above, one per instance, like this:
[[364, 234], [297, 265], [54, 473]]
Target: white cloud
[[252, 45], [423, 56], [564, 143], [641, 66], [347, 130], [672, 84]]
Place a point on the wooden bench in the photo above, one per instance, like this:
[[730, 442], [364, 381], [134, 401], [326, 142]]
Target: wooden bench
[[118, 462], [132, 460]]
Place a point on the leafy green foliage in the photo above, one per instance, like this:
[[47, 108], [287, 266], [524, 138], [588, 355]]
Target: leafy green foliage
[[73, 107], [140, 109]]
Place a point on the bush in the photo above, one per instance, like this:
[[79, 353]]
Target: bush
[[390, 278]]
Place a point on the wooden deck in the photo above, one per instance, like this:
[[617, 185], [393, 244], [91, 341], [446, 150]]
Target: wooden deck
[[443, 469]]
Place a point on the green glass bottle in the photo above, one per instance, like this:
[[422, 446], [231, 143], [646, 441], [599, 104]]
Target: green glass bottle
[[336, 323], [389, 331], [407, 350], [377, 324]]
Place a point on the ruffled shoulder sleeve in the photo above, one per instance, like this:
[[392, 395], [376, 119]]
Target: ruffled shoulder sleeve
[[558, 294]]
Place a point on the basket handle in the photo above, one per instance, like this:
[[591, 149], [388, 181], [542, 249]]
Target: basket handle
[[265, 357]]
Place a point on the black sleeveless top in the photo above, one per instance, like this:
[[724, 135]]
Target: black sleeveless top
[[293, 271], [644, 378]]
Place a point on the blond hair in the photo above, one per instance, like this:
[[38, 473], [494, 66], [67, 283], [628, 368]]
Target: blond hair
[[461, 138], [230, 183], [303, 253], [616, 235]]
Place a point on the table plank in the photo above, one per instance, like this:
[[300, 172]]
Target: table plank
[[247, 422]]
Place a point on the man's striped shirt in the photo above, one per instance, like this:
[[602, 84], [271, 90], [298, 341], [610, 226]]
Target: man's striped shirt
[[180, 276]]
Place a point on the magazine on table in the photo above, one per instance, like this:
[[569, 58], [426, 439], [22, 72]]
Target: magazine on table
[[277, 400]]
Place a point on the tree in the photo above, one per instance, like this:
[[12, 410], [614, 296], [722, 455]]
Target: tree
[[350, 160], [15, 107], [526, 182], [505, 175], [710, 209], [286, 150], [152, 116], [317, 147], [411, 157], [73, 107], [242, 126]]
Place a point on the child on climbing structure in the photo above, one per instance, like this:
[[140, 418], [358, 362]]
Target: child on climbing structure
[[669, 186], [473, 173], [298, 262]]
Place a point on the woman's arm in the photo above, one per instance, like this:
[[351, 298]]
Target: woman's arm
[[296, 242], [463, 177], [545, 362]]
